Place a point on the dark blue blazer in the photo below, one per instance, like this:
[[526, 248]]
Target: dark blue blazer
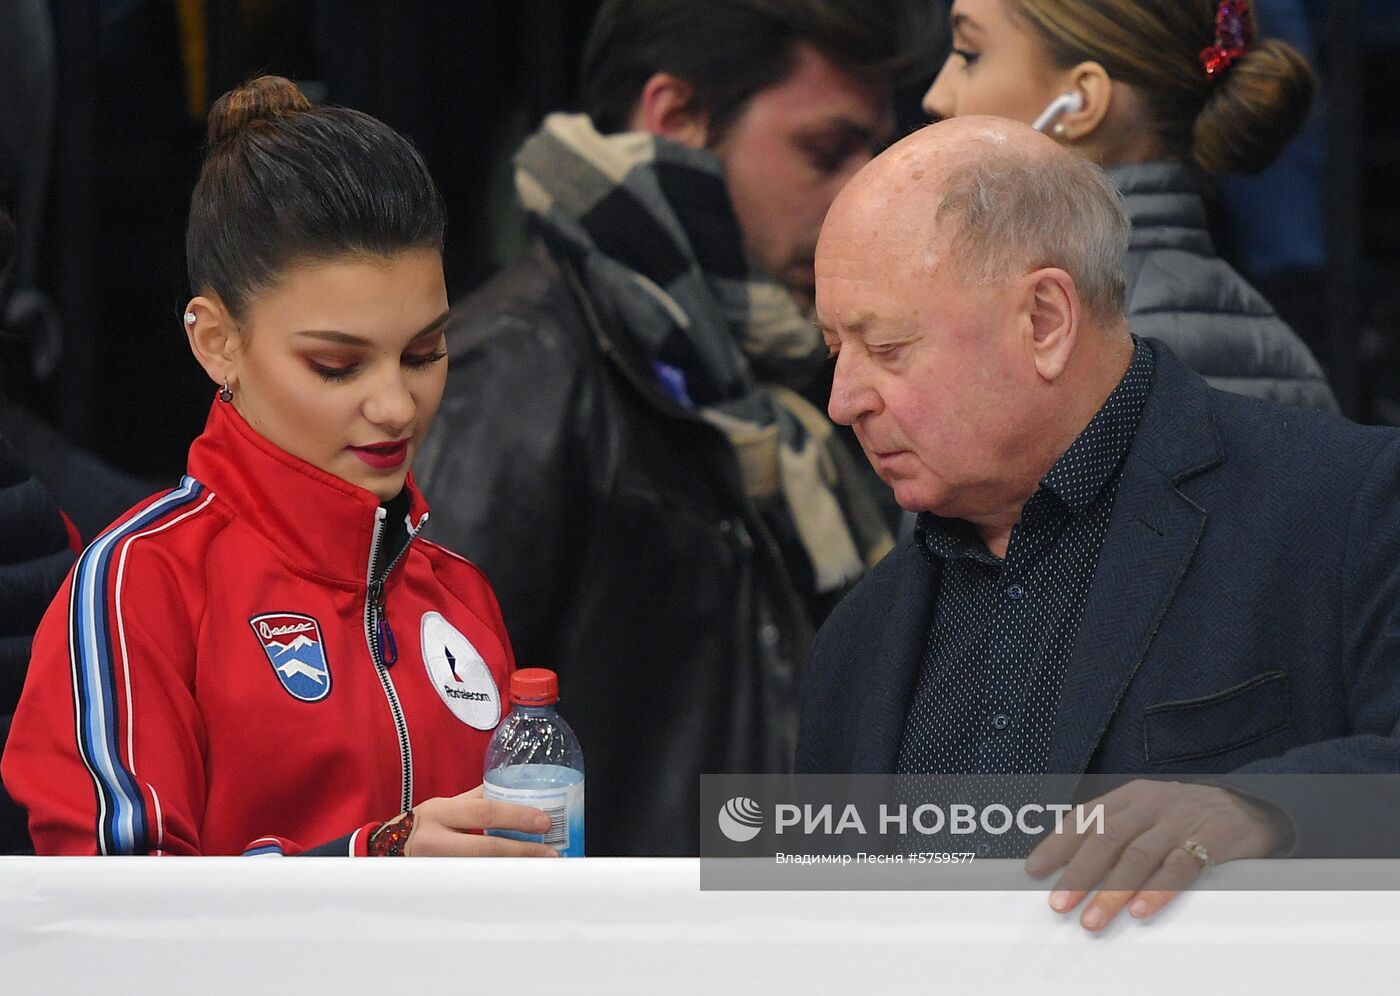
[[1244, 614]]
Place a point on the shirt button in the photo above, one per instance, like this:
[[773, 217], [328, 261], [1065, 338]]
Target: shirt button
[[1001, 721], [1014, 592], [983, 850]]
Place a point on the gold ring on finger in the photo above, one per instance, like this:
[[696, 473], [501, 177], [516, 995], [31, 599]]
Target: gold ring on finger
[[1199, 853]]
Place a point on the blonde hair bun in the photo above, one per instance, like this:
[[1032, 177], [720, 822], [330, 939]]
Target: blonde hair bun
[[1255, 110]]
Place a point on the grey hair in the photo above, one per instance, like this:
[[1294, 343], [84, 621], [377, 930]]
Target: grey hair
[[1014, 212]]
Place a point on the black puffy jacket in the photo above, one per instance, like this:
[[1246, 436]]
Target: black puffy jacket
[[34, 558], [1181, 292], [615, 529]]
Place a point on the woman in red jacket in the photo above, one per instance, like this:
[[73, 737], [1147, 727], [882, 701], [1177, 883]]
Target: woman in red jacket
[[268, 658]]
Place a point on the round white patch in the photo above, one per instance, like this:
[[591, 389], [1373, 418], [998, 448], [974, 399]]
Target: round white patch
[[459, 674]]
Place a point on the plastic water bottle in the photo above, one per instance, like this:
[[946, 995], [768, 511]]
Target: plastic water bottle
[[534, 760]]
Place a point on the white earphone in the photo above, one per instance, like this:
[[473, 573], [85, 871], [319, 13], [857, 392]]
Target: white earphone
[[1065, 103]]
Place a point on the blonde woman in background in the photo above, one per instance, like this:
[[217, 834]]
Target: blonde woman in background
[[1159, 92]]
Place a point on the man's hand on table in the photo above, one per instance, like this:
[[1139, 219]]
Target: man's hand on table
[[1139, 860]]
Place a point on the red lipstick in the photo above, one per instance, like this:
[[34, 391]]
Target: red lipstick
[[382, 456]]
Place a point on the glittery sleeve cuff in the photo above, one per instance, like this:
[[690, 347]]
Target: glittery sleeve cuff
[[390, 839]]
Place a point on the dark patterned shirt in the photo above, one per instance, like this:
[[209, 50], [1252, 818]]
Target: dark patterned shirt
[[1003, 630]]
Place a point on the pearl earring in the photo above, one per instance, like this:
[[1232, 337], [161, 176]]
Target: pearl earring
[[189, 318], [1059, 130]]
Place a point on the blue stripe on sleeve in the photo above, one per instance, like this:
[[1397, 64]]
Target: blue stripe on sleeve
[[122, 826]]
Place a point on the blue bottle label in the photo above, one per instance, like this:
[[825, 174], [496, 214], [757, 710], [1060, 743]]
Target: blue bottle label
[[533, 785]]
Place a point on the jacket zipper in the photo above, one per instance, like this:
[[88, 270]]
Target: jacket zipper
[[377, 634]]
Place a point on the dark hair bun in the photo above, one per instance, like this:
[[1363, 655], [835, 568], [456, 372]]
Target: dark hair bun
[[285, 182], [257, 100], [1254, 111]]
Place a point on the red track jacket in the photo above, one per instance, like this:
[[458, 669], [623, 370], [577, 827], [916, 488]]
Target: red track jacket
[[221, 675]]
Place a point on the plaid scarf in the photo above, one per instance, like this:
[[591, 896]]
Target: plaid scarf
[[652, 222]]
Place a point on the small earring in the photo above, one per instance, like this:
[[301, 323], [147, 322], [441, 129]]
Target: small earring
[[1059, 130], [189, 318], [225, 395]]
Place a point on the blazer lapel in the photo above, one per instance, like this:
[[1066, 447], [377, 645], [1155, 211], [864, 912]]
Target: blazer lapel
[[1152, 535], [894, 664]]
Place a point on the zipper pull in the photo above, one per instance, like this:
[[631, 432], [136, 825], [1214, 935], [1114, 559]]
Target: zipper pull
[[388, 647]]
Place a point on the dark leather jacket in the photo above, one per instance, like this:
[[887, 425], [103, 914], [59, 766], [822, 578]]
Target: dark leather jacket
[[614, 527], [1181, 292]]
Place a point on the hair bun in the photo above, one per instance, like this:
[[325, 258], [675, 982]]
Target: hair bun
[[259, 99], [1254, 111]]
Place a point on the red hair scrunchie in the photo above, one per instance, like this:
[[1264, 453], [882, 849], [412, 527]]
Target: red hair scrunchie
[[1233, 36]]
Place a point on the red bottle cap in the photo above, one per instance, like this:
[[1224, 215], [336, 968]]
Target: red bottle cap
[[534, 686]]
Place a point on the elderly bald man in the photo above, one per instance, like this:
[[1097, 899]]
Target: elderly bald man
[[1116, 568]]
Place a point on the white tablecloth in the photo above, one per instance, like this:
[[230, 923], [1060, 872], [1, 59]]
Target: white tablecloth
[[250, 925]]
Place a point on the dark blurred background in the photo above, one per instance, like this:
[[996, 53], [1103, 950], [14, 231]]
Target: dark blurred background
[[95, 346]]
